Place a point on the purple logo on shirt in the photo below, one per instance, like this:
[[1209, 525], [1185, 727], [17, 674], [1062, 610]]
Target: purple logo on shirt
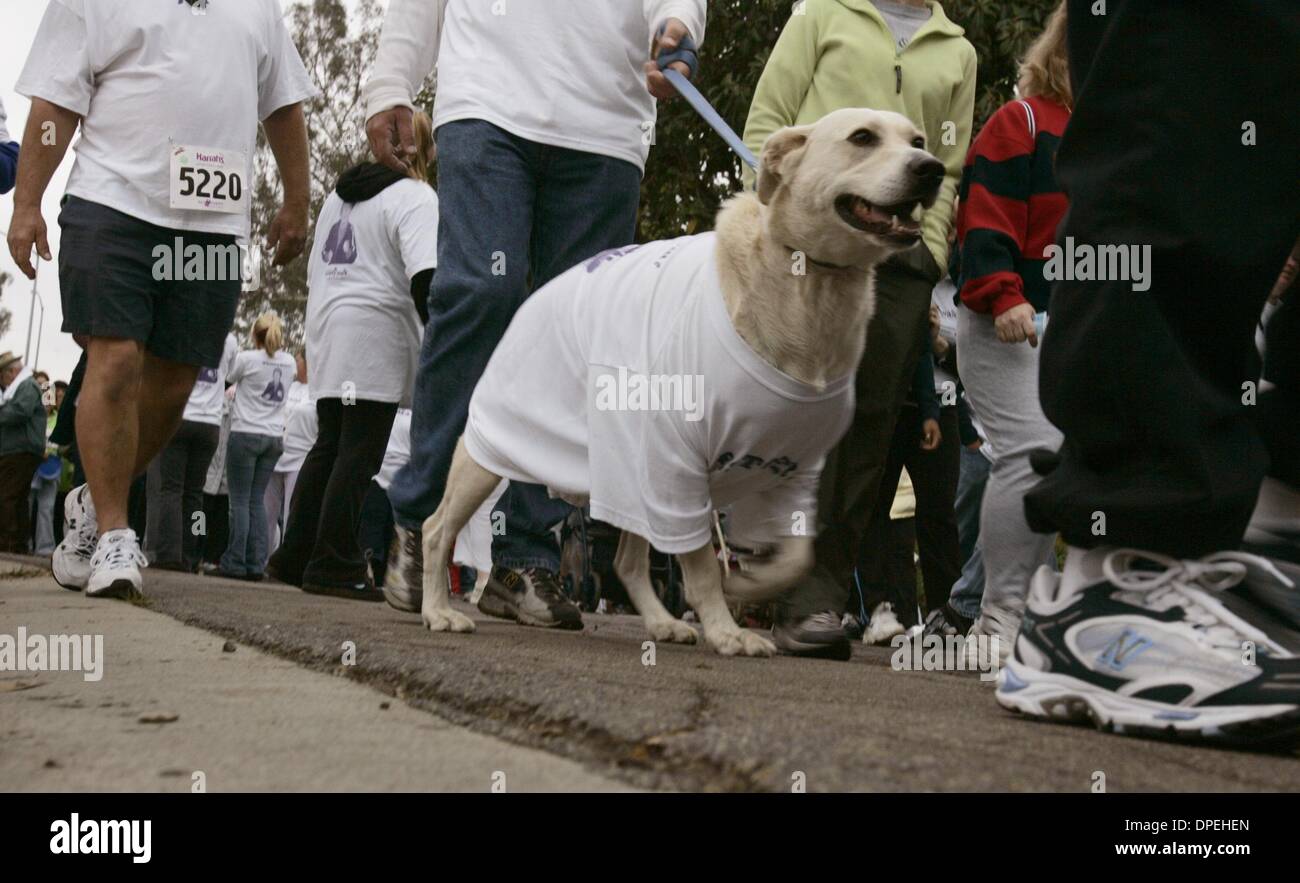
[[207, 375], [609, 255], [274, 391], [341, 244]]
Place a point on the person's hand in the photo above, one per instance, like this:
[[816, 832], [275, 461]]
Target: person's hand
[[655, 81], [1016, 325], [288, 234], [930, 434], [27, 229], [392, 137], [975, 445]]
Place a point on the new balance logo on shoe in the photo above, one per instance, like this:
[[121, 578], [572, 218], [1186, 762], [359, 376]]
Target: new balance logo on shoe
[[1129, 645]]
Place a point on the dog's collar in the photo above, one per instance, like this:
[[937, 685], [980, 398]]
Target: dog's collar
[[821, 265]]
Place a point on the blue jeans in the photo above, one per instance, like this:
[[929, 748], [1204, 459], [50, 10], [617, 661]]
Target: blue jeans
[[250, 460], [968, 591], [514, 215]]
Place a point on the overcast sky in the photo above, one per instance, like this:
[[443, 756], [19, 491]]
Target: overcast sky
[[58, 354]]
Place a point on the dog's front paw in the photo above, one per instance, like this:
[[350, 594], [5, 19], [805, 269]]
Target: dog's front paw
[[674, 631], [739, 642], [437, 620]]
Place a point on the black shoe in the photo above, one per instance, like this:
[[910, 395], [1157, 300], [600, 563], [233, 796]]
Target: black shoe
[[820, 636], [530, 597], [360, 591], [230, 574], [404, 579], [276, 571], [945, 621]]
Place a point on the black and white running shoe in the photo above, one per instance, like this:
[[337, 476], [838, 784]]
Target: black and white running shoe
[[1143, 644]]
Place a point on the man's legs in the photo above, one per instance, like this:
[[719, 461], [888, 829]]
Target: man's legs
[[486, 194], [130, 404], [163, 541], [586, 203], [1150, 386]]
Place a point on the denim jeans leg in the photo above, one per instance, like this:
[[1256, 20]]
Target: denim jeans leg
[[269, 449], [241, 461], [586, 203], [488, 187]]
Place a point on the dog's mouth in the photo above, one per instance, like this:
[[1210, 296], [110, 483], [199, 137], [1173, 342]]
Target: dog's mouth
[[891, 222]]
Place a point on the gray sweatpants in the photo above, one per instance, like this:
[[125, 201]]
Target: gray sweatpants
[[1001, 381]]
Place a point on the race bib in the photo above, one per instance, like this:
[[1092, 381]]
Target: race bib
[[208, 179]]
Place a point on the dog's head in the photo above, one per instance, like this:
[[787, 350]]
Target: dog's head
[[850, 188]]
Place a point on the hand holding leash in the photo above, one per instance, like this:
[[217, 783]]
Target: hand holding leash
[[672, 46]]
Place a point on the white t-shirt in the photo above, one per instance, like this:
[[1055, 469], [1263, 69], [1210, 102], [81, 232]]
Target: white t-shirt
[[942, 297], [362, 327], [4, 129], [300, 427], [567, 402], [151, 76], [261, 391], [399, 449], [561, 72], [207, 399]]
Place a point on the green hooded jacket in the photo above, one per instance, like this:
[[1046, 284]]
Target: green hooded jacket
[[841, 53]]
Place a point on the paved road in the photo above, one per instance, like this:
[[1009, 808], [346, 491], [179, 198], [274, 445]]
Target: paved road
[[692, 721]]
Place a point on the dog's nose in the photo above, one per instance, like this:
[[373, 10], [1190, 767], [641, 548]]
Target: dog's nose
[[927, 170]]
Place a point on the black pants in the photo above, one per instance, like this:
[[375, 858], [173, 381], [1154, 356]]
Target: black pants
[[216, 512], [320, 541], [846, 496], [1160, 452], [16, 471], [175, 484], [934, 484]]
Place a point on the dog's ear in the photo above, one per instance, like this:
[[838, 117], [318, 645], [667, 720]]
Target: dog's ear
[[781, 153]]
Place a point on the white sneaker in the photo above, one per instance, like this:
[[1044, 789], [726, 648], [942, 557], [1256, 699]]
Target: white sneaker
[[979, 653], [115, 567], [71, 558], [883, 625]]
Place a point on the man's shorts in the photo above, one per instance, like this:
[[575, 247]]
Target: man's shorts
[[108, 269]]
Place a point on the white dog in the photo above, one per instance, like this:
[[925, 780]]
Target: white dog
[[665, 380]]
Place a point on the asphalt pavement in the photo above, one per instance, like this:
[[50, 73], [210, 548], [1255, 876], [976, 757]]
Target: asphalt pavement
[[586, 702]]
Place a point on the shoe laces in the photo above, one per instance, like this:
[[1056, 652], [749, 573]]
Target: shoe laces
[[1190, 585], [122, 554], [546, 585]]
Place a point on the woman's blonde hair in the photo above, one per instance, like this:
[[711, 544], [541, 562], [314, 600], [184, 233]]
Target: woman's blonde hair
[[1045, 69], [426, 151], [268, 333]]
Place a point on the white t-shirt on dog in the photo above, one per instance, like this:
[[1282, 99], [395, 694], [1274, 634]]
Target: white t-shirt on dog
[[151, 76], [362, 327], [261, 391], [207, 399], [623, 381]]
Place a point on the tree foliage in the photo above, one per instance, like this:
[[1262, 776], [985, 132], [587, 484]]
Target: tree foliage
[[690, 172]]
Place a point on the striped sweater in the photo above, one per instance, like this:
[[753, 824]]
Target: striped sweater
[[1011, 204]]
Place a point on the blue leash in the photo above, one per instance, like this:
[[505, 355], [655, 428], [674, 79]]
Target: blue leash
[[686, 53]]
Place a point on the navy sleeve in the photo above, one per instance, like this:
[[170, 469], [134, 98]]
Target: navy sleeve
[[8, 166]]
